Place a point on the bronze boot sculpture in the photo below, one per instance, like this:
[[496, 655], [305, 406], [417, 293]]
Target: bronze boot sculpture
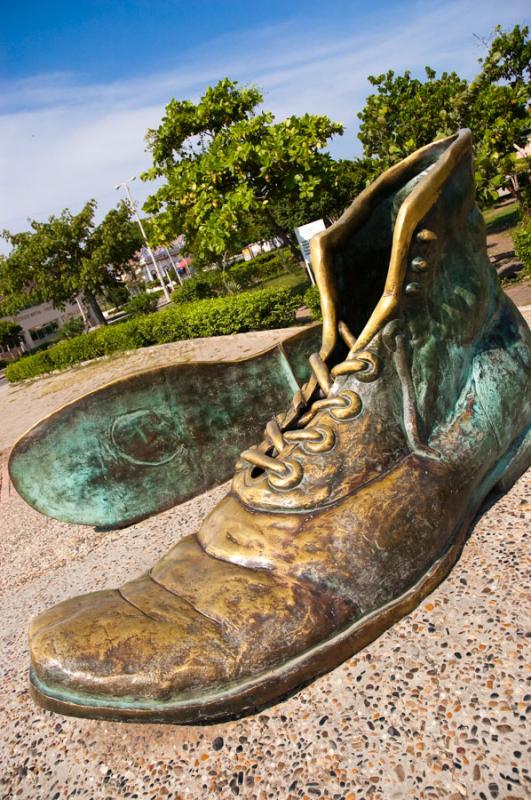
[[356, 504], [141, 444]]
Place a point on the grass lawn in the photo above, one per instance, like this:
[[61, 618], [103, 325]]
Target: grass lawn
[[288, 281], [504, 218]]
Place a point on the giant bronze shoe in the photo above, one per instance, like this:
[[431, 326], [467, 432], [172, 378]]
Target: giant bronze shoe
[[357, 503]]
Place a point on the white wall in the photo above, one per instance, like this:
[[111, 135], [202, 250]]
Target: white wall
[[38, 316]]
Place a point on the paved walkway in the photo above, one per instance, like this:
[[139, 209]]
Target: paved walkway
[[435, 708], [23, 404]]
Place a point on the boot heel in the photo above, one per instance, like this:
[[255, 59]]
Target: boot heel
[[518, 459]]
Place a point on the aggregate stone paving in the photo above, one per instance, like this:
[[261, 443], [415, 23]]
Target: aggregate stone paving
[[435, 708], [22, 404]]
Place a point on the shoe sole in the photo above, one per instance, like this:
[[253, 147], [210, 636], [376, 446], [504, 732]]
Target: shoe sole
[[140, 445], [253, 694]]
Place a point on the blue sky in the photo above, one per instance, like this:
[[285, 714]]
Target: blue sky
[[80, 82]]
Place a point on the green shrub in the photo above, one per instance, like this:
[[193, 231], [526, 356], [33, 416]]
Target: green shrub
[[256, 310], [263, 267], [522, 243], [72, 327], [249, 273], [142, 303], [282, 259], [245, 274], [10, 333], [240, 275], [115, 296], [313, 301], [200, 287]]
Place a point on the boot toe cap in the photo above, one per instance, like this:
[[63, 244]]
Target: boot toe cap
[[101, 644]]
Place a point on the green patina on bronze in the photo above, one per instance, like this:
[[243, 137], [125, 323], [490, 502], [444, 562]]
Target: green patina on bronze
[[357, 501], [150, 441]]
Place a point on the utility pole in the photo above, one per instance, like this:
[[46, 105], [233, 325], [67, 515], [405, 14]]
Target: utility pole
[[82, 311], [132, 206], [172, 262]]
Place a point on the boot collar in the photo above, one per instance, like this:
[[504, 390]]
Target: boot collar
[[439, 160]]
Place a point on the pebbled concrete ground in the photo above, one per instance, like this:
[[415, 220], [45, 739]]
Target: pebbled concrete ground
[[435, 708], [22, 404]]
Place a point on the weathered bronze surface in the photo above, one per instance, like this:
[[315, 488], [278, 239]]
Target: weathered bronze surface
[[144, 443], [357, 502]]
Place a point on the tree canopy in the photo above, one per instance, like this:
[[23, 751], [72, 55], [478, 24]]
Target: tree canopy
[[67, 256], [405, 113], [232, 174], [226, 165], [11, 334]]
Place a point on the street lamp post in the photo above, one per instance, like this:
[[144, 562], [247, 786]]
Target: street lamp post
[[132, 206], [172, 262]]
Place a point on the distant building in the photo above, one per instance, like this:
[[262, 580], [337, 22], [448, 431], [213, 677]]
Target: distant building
[[254, 249], [40, 325], [166, 258]]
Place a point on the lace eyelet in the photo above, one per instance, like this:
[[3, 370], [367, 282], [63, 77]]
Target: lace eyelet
[[291, 478], [351, 408], [372, 370], [322, 445]]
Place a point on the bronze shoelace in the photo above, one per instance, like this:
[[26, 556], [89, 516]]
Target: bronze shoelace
[[344, 405]]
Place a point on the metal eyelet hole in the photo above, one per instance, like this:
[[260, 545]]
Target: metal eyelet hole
[[372, 368], [351, 408], [256, 472], [322, 445], [291, 478]]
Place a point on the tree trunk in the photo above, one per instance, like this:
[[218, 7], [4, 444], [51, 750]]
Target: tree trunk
[[94, 306], [285, 236], [294, 248]]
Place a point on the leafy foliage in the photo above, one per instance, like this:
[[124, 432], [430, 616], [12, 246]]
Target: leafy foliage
[[71, 328], [199, 287], [227, 167], [312, 300], [406, 113], [66, 256], [116, 295], [239, 275], [522, 243], [343, 181], [257, 310], [142, 303], [11, 334], [264, 266]]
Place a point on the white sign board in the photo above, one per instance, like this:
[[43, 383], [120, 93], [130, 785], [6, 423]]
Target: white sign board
[[304, 235]]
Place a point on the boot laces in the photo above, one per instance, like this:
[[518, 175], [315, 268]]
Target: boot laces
[[344, 405]]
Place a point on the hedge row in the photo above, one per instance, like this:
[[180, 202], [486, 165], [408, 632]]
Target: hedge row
[[240, 275], [263, 267], [312, 299], [258, 310], [522, 243]]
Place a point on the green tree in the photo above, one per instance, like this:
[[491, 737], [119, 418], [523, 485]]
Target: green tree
[[508, 59], [226, 169], [344, 180], [10, 334], [67, 256], [405, 113]]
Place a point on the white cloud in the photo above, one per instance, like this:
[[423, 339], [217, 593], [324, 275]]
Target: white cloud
[[63, 142]]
